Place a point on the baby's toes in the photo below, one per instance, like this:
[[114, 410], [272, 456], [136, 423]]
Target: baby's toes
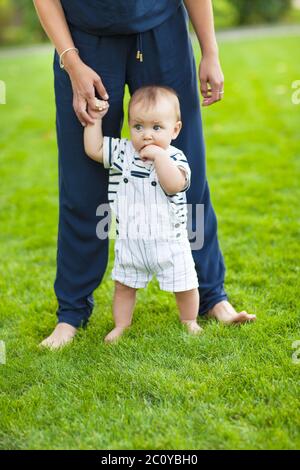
[[114, 335], [193, 328]]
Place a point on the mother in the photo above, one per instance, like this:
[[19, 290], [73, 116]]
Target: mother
[[104, 45]]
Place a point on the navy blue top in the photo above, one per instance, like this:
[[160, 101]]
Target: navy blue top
[[109, 17]]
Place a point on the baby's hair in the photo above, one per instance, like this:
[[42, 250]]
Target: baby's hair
[[149, 95]]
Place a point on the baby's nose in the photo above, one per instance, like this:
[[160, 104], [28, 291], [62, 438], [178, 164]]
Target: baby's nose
[[147, 135]]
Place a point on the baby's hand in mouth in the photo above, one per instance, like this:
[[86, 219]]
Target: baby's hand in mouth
[[149, 152]]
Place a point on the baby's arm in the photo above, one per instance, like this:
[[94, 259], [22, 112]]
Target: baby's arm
[[171, 177], [93, 137]]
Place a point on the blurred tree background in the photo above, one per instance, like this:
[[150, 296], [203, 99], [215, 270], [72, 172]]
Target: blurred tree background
[[19, 23]]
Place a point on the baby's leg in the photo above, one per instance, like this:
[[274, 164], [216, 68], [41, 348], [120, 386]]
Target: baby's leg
[[123, 305], [188, 304]]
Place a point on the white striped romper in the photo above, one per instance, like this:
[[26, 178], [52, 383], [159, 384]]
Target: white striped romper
[[152, 237]]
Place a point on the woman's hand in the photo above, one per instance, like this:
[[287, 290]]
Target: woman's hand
[[84, 81], [211, 79]]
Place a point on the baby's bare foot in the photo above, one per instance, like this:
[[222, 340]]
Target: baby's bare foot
[[192, 327], [115, 334], [62, 334]]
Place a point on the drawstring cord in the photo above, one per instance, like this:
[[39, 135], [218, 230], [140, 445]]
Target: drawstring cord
[[139, 46]]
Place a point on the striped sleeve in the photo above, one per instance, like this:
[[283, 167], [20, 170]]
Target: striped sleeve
[[180, 160], [113, 152]]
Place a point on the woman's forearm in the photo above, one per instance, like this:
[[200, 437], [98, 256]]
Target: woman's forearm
[[202, 18], [84, 79], [53, 21]]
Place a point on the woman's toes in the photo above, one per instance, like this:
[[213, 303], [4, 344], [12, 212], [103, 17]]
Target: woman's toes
[[243, 317]]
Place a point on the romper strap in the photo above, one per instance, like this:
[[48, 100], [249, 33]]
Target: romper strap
[[153, 176], [126, 165]]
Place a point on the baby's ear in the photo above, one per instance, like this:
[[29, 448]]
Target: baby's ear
[[177, 129]]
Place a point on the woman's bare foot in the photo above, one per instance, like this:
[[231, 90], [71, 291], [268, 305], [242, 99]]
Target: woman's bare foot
[[115, 334], [62, 334], [225, 313], [192, 327]]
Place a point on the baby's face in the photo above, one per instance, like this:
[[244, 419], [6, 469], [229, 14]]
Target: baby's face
[[156, 125]]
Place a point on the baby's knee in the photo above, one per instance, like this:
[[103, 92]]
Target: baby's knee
[[122, 289]]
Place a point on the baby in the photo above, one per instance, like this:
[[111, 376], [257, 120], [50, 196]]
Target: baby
[[147, 183]]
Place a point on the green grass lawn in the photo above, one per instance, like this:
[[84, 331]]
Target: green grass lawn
[[234, 387]]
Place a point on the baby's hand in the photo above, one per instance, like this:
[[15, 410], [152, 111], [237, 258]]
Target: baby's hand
[[100, 109], [151, 152]]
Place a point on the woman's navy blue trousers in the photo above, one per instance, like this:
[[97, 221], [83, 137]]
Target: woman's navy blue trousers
[[167, 60]]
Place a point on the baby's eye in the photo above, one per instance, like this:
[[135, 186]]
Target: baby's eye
[[156, 127], [138, 127]]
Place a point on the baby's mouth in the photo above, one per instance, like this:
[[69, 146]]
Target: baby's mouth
[[146, 145]]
